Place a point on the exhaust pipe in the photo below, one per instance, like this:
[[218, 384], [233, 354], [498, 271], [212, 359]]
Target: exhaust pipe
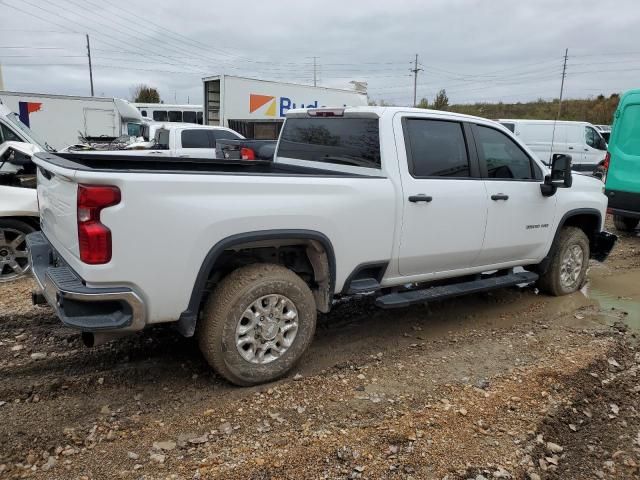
[[91, 339]]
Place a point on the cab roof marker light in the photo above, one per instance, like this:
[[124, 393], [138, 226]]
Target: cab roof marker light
[[325, 112]]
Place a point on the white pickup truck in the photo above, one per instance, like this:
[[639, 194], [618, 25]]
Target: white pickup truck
[[407, 204], [184, 140]]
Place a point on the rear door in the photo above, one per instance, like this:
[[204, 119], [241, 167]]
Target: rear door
[[623, 176], [194, 142], [519, 217], [100, 122], [444, 199]]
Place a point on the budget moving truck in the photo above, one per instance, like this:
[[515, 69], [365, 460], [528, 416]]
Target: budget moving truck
[[256, 108]]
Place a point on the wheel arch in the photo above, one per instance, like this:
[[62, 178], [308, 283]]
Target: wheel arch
[[317, 247], [589, 220]]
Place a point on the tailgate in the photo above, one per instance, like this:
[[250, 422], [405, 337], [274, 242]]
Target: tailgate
[[57, 193]]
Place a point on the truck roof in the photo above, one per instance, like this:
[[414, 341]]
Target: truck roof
[[547, 122], [343, 90], [380, 111]]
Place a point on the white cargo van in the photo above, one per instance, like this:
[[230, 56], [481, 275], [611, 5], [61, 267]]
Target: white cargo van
[[581, 140]]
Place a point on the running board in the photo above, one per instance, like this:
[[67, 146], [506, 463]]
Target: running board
[[363, 285], [404, 299]]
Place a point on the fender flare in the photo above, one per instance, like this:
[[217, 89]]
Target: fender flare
[[188, 319], [544, 264]]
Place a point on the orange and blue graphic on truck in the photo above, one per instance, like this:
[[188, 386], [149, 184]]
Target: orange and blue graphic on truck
[[266, 104], [25, 108]]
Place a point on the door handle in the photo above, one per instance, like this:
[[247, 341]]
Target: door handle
[[570, 148], [420, 198], [586, 149], [500, 196]]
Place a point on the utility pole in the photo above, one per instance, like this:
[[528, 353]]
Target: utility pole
[[415, 71], [315, 78], [90, 69], [564, 74]]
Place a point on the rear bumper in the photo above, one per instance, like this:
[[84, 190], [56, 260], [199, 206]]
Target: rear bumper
[[78, 306], [602, 244], [626, 204]]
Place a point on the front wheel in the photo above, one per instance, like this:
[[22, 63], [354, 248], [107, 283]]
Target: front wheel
[[568, 268], [257, 323], [625, 224], [14, 257]]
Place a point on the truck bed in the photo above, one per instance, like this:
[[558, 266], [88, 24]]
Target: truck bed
[[152, 164]]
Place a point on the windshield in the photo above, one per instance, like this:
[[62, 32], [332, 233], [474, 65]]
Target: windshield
[[15, 120]]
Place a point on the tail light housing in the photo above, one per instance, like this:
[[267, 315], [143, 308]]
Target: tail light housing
[[247, 154], [605, 163], [94, 238]]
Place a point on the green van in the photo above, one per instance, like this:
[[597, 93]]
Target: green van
[[623, 174]]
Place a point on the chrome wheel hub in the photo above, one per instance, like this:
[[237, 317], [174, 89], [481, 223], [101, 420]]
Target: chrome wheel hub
[[14, 258], [267, 329], [571, 266]]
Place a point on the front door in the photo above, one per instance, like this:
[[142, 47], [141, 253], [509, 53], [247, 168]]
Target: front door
[[520, 218], [444, 200]]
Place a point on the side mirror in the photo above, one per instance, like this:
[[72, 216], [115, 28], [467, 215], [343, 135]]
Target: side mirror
[[560, 176]]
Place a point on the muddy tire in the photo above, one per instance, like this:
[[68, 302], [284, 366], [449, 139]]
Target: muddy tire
[[257, 324], [625, 224], [567, 271], [14, 258]]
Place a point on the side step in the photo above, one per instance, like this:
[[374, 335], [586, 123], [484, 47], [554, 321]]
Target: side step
[[404, 299], [363, 285]]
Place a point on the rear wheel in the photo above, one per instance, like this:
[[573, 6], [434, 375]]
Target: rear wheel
[[625, 224], [257, 323], [14, 257], [568, 268]]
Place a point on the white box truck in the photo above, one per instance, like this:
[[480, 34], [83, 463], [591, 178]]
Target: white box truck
[[63, 120], [256, 108]]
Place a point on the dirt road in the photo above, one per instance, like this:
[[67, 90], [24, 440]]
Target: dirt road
[[510, 384]]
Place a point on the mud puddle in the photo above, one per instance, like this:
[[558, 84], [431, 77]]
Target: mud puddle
[[618, 297]]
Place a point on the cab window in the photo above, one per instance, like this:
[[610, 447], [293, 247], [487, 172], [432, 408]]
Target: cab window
[[195, 138], [7, 135], [436, 148], [504, 159], [593, 139]]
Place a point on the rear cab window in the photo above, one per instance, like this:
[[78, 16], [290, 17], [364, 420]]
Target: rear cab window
[[337, 141]]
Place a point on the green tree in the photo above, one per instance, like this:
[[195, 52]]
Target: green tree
[[441, 102], [423, 103], [145, 94]]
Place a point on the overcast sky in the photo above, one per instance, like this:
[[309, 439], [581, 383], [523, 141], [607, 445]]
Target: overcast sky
[[479, 50]]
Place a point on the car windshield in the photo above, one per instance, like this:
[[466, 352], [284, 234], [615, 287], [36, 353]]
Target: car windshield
[[15, 120]]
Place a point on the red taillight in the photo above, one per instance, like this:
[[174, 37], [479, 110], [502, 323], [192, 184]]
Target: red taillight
[[605, 164], [93, 237], [247, 154]]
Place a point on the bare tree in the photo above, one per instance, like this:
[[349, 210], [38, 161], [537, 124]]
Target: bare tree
[[145, 94]]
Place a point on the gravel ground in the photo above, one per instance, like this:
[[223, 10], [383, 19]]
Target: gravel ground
[[507, 384]]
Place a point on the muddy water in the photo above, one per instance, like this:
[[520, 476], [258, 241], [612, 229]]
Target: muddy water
[[618, 296]]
